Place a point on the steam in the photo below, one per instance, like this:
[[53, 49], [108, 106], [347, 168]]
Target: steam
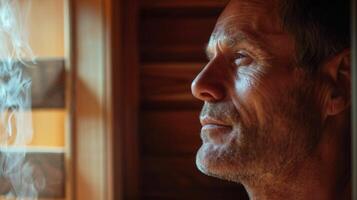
[[15, 101]]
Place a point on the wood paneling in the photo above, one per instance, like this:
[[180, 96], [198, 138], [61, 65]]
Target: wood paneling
[[168, 85], [175, 34], [48, 127], [125, 89], [48, 83], [49, 174], [46, 28], [165, 133]]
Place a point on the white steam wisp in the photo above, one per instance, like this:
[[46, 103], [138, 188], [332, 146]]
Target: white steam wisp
[[15, 100]]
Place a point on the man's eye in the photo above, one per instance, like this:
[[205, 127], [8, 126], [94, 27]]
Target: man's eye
[[240, 55], [242, 58]]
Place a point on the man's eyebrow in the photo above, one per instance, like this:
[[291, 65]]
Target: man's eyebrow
[[233, 38]]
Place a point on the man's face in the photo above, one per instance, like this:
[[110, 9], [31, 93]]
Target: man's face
[[260, 115]]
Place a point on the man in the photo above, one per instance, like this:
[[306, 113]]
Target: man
[[276, 92]]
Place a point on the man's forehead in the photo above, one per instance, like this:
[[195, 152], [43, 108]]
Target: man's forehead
[[253, 22], [229, 35], [252, 15]]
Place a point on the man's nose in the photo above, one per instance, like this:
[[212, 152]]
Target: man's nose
[[209, 84]]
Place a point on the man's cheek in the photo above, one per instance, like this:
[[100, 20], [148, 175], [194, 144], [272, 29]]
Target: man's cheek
[[251, 95], [251, 81]]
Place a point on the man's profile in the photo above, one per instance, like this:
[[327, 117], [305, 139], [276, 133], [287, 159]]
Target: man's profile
[[276, 92]]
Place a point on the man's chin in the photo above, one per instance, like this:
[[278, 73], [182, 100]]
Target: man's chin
[[215, 161], [201, 161], [209, 161]]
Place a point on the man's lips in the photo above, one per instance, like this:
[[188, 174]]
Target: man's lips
[[214, 130], [212, 122], [215, 126]]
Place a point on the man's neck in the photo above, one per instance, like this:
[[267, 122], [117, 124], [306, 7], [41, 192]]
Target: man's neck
[[319, 184], [324, 175], [310, 189]]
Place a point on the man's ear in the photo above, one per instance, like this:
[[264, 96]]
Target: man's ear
[[338, 70]]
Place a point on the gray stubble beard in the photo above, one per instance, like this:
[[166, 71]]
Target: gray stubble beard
[[271, 152]]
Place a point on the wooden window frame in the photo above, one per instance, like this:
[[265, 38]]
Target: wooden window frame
[[103, 152]]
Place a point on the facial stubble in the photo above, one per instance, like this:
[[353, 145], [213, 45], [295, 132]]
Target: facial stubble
[[274, 149]]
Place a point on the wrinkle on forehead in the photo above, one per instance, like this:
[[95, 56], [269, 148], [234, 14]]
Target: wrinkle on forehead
[[256, 27], [256, 22], [257, 15], [228, 37], [232, 37]]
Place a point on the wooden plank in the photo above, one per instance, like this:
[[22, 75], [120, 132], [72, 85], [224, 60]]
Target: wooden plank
[[48, 165], [178, 177], [167, 133], [124, 75], [46, 27], [162, 4], [48, 83], [48, 127], [179, 53], [168, 85], [89, 100], [175, 35]]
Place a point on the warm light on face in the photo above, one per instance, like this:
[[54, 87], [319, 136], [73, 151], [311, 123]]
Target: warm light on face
[[253, 99]]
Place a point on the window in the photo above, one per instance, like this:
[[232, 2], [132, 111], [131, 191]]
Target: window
[[43, 167]]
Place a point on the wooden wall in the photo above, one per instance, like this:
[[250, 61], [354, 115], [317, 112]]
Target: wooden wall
[[46, 28], [172, 38]]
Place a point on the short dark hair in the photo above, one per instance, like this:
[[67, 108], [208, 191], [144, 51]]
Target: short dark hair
[[321, 28]]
